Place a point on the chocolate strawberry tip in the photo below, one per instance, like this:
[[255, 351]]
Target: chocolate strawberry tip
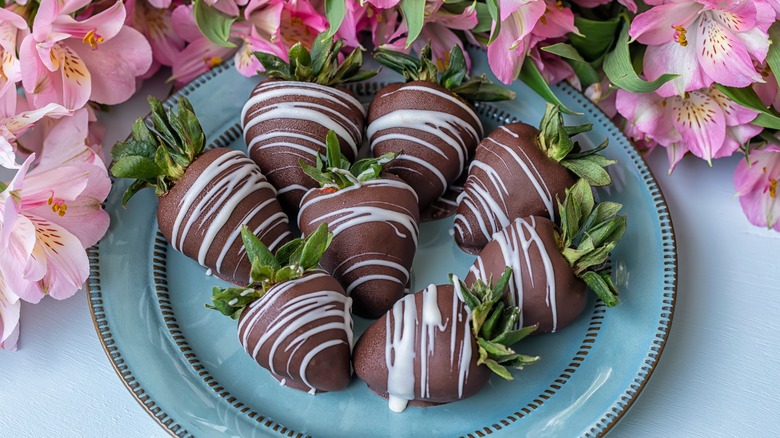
[[493, 318], [589, 231], [320, 65], [454, 78], [334, 172], [555, 141], [158, 156]]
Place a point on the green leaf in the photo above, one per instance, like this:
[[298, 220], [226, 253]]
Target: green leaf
[[480, 89], [596, 36], [314, 246], [274, 63], [136, 167], [609, 231], [232, 300], [488, 327], [620, 71], [773, 56], [256, 250], [262, 274], [494, 348], [586, 73], [299, 56], [288, 273], [492, 7], [589, 170], [595, 258], [747, 97], [141, 132], [333, 156], [3, 186], [133, 148], [284, 254], [213, 24], [500, 370], [455, 73], [134, 188], [513, 337], [335, 11], [603, 286], [532, 77], [414, 13], [320, 51], [484, 20]]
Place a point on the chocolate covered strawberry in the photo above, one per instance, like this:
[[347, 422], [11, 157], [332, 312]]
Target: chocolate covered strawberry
[[440, 344], [519, 171], [288, 115], [374, 220], [430, 120], [551, 265], [293, 319], [204, 197]]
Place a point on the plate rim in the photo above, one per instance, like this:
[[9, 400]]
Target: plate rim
[[600, 427]]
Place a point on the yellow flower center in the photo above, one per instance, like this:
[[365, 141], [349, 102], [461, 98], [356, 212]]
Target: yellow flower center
[[92, 38], [443, 62], [213, 61], [773, 188], [58, 206], [679, 36]]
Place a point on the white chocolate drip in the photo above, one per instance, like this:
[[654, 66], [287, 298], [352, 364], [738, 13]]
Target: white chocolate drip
[[296, 323], [515, 242], [488, 200], [224, 184], [439, 124], [295, 108], [340, 221], [401, 348]]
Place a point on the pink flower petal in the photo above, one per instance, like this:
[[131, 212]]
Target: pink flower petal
[[657, 25], [197, 58], [105, 25], [556, 22], [266, 19], [677, 60], [674, 153], [735, 114], [701, 124], [756, 186], [113, 80], [383, 4], [10, 308], [75, 77], [442, 40], [66, 261], [722, 56], [183, 22], [160, 4]]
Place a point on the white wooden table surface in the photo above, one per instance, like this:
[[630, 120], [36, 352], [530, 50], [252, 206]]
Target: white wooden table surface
[[719, 374]]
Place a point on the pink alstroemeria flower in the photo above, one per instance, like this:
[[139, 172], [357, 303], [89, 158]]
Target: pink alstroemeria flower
[[70, 62], [523, 24], [704, 41], [768, 91], [704, 122], [756, 185], [437, 30], [50, 214], [155, 24], [13, 28], [10, 308], [13, 126], [383, 4], [630, 4]]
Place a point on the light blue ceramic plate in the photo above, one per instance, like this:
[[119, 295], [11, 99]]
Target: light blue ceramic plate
[[185, 366]]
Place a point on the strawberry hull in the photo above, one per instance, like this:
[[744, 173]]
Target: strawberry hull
[[301, 332], [433, 352], [285, 122], [510, 177], [543, 284], [202, 214], [375, 228], [435, 132]]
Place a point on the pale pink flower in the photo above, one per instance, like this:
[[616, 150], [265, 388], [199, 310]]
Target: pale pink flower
[[383, 4], [704, 41], [155, 24], [523, 25], [756, 185], [437, 31], [13, 28], [358, 18], [50, 214], [69, 62], [13, 126], [768, 91], [704, 122]]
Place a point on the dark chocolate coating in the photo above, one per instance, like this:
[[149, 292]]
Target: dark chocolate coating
[[295, 118], [382, 238], [524, 183], [370, 360], [300, 306], [226, 186], [423, 116], [447, 203], [531, 286]]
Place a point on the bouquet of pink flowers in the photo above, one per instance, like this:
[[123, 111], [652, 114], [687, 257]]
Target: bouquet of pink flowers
[[696, 77]]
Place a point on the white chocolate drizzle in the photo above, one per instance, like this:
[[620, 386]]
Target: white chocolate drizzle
[[300, 319], [401, 347], [223, 184], [402, 222], [488, 199], [515, 242]]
